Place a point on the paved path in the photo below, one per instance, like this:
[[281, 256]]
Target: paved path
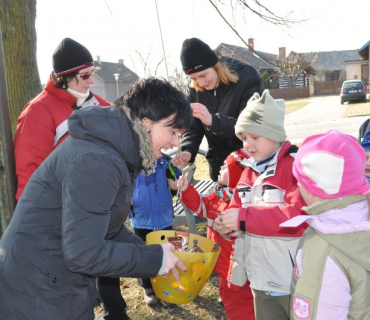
[[321, 115], [320, 108]]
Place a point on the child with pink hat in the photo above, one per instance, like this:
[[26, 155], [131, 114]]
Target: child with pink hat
[[332, 265]]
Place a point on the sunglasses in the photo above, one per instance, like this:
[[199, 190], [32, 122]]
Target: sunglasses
[[86, 76]]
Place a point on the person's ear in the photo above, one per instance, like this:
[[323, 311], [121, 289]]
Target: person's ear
[[147, 124]]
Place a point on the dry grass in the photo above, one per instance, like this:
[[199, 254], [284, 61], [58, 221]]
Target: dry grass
[[205, 306], [294, 105], [357, 109]]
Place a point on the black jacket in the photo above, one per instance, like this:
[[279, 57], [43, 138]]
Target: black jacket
[[225, 104], [68, 225]]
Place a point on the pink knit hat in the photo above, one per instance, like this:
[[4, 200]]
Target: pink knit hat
[[331, 165]]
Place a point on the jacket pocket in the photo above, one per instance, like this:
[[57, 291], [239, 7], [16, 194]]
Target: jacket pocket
[[245, 196], [60, 275], [273, 196]]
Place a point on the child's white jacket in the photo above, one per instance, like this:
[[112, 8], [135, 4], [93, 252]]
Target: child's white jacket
[[264, 252]]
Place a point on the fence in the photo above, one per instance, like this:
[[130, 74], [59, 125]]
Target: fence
[[327, 87], [291, 93]]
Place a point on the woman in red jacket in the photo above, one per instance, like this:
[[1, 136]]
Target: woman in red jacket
[[42, 125]]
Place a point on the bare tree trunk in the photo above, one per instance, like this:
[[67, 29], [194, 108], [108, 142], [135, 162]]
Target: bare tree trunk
[[19, 42], [19, 83]]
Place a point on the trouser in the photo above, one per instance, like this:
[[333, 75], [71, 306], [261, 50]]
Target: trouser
[[268, 307], [110, 294], [238, 304], [142, 233], [214, 170]]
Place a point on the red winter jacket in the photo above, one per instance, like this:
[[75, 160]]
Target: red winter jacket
[[264, 251], [210, 207], [36, 134]]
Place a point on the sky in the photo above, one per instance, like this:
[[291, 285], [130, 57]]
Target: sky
[[129, 29]]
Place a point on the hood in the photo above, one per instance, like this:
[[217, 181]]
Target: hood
[[113, 126]]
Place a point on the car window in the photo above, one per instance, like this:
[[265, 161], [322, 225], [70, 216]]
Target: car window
[[352, 85]]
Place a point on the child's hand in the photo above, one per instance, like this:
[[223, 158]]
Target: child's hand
[[228, 221], [182, 183], [172, 184]]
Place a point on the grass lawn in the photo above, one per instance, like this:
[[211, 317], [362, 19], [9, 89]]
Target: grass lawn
[[357, 109], [293, 105], [205, 306]]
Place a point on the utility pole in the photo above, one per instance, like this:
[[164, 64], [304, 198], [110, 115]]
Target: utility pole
[[116, 76], [7, 164]]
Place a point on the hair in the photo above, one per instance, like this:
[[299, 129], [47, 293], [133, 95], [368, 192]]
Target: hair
[[62, 81], [223, 72], [156, 99]]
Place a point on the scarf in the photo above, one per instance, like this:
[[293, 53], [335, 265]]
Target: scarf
[[81, 97], [223, 192]]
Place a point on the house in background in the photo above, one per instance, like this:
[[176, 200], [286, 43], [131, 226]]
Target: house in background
[[248, 55], [324, 74], [105, 83], [330, 67], [269, 67], [359, 68]]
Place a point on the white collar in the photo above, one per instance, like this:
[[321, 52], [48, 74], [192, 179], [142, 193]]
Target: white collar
[[81, 97]]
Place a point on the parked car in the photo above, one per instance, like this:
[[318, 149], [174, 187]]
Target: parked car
[[353, 90]]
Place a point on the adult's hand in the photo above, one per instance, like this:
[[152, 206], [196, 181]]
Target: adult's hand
[[181, 158], [201, 112], [228, 221], [172, 261]]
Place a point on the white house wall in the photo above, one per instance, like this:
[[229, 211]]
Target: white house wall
[[353, 70]]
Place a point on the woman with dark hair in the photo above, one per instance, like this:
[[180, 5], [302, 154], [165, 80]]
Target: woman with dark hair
[[68, 227], [42, 125], [220, 90]]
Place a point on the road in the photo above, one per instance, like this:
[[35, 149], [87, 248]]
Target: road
[[321, 115]]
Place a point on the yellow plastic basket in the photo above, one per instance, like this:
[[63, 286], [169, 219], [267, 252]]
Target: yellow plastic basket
[[199, 265]]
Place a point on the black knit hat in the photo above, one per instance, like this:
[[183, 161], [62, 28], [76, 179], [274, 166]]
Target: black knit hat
[[70, 56], [196, 56]]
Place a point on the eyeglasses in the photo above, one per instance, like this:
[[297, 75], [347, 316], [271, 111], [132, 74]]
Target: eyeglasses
[[86, 76]]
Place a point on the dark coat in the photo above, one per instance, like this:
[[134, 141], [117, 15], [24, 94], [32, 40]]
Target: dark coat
[[68, 225], [225, 104]]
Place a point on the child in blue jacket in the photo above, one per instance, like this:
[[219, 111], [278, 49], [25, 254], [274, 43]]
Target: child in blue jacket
[[152, 208]]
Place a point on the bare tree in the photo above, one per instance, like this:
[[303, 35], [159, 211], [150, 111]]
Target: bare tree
[[17, 19], [293, 66], [258, 9], [146, 62], [20, 82], [180, 81]]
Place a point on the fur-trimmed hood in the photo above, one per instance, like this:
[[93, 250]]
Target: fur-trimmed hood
[[114, 126]]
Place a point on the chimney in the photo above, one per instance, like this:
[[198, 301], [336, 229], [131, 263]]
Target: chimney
[[120, 61], [251, 44], [282, 54]]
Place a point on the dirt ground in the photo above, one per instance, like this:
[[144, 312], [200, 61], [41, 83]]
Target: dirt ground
[[205, 306]]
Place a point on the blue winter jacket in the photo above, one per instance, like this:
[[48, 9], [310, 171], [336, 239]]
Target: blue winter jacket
[[152, 199]]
